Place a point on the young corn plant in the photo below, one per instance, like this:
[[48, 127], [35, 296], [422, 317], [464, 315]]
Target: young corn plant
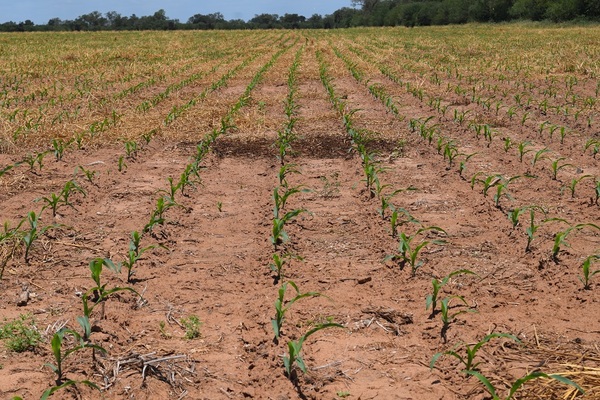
[[59, 146], [432, 298], [556, 166], [99, 293], [514, 214], [468, 360], [121, 166], [173, 188], [134, 254], [539, 155], [507, 144], [279, 262], [33, 233], [522, 149], [385, 200], [50, 391], [501, 189], [519, 382], [489, 181], [283, 173], [561, 236], [463, 164], [280, 199], [396, 220], [409, 253], [371, 169], [89, 174], [70, 188], [448, 317], [574, 182], [280, 236], [587, 273], [282, 306], [532, 228], [52, 202], [157, 217], [61, 354], [295, 348], [131, 149], [594, 144]]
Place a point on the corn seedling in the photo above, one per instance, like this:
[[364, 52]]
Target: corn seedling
[[52, 202], [471, 351], [501, 189], [539, 155], [34, 232], [279, 234], [60, 355], [514, 215], [594, 144], [89, 174], [295, 348], [557, 167], [186, 180], [507, 144], [385, 199], [280, 200], [69, 188], [463, 164], [284, 171], [282, 306], [488, 182], [59, 147], [449, 317], [131, 149], [587, 273], [99, 293], [432, 298], [134, 254], [532, 228], [597, 191], [408, 253], [561, 237], [574, 182], [173, 188], [121, 166], [371, 170], [395, 220], [519, 382], [279, 262], [157, 217], [50, 391], [522, 149]]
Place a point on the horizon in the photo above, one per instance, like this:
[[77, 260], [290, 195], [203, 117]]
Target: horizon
[[41, 11]]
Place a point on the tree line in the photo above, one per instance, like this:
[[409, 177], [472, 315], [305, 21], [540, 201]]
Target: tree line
[[363, 13]]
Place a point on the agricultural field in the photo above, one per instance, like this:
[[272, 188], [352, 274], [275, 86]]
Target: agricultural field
[[364, 214]]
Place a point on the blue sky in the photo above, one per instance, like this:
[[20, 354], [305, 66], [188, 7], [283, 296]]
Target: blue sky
[[40, 11]]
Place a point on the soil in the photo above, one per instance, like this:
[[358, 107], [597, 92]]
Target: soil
[[213, 253]]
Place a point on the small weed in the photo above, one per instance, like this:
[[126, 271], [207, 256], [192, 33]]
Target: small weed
[[163, 330], [20, 334], [192, 327]]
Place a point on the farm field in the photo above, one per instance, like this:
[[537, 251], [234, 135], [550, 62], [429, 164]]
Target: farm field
[[394, 193]]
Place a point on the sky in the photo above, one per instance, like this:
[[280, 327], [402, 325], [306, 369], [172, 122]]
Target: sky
[[40, 11]]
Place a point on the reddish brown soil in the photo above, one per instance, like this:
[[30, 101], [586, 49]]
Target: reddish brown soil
[[216, 255]]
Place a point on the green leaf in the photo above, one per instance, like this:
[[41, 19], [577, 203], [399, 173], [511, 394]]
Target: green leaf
[[488, 385]]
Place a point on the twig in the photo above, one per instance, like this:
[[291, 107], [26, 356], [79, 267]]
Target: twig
[[157, 360]]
